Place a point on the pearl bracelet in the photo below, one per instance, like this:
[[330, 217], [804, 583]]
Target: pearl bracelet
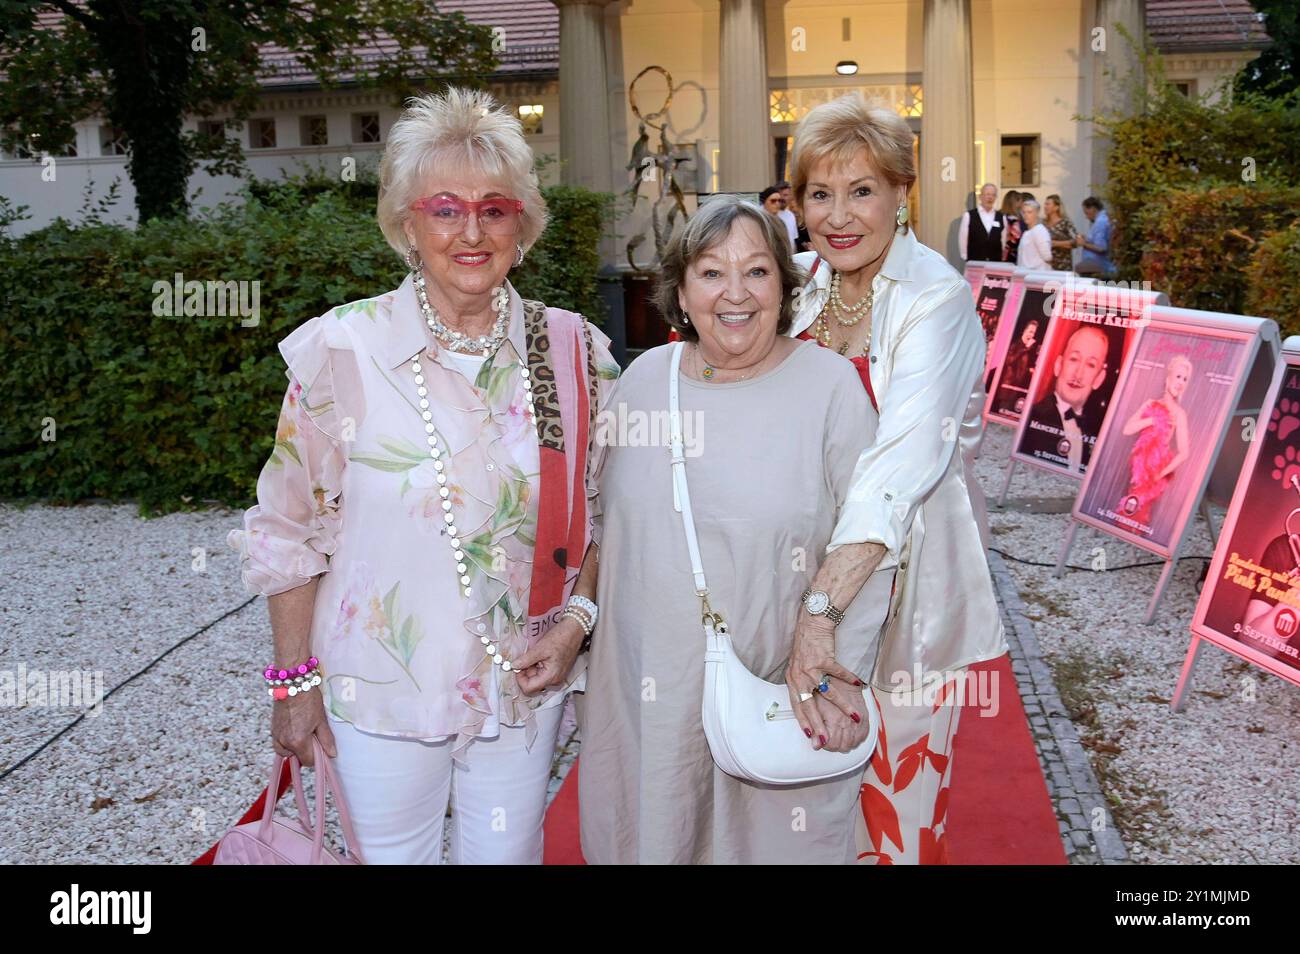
[[582, 603], [572, 612]]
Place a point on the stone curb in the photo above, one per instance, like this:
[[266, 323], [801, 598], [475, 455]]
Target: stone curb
[[1071, 782]]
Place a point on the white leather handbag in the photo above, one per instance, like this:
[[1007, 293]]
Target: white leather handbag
[[751, 729]]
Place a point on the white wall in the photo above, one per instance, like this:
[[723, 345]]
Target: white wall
[[27, 182]]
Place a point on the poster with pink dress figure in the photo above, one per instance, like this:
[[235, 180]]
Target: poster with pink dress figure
[[1159, 440], [1250, 604]]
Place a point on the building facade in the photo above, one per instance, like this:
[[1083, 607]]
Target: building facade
[[994, 90]]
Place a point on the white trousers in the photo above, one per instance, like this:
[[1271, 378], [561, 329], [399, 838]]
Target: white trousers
[[397, 792]]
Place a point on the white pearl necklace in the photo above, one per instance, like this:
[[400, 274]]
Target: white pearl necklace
[[457, 341], [453, 533], [857, 312]]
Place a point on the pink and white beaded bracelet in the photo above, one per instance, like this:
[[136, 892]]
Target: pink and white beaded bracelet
[[283, 683]]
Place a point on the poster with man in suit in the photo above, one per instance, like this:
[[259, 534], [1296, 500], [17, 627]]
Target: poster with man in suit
[[1087, 340]]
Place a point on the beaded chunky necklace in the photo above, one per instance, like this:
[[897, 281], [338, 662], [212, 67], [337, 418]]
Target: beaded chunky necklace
[[435, 452], [457, 341], [854, 314], [822, 328]]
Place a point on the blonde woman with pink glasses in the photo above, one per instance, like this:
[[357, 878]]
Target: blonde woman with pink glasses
[[424, 530]]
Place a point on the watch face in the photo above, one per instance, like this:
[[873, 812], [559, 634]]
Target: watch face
[[817, 602]]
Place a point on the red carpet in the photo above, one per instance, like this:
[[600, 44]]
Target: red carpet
[[999, 813]]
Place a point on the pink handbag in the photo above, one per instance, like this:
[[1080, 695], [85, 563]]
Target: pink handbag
[[268, 841]]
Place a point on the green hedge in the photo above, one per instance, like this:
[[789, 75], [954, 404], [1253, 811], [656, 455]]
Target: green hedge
[[1180, 144], [1199, 242], [1273, 278], [174, 411]]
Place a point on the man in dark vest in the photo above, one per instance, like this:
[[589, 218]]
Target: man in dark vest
[[983, 234]]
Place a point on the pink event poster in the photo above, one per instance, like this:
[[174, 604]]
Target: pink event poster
[[1008, 386], [990, 300], [1087, 340], [1252, 597], [1151, 462]]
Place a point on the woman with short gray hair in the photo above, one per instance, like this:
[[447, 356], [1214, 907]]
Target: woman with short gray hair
[[772, 428], [1036, 242], [424, 531]]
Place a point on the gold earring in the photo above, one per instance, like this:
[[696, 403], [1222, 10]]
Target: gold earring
[[901, 215]]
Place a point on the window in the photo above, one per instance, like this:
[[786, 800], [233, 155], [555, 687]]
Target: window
[[789, 105], [111, 141], [1020, 161], [314, 131], [1186, 87], [365, 127], [781, 149], [531, 117], [261, 134], [212, 129]]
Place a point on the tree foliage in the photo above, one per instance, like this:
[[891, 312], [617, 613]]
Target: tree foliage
[[147, 66]]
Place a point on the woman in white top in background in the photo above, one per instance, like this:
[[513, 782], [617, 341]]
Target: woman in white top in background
[[1036, 242]]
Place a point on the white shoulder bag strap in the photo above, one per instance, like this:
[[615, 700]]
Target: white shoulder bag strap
[[681, 493]]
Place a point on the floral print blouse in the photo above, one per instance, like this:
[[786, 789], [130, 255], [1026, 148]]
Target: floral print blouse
[[350, 491]]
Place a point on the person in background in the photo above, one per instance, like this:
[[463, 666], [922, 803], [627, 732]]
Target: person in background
[[1035, 250], [787, 216], [982, 236], [1015, 227], [772, 203], [1063, 234], [1096, 245]]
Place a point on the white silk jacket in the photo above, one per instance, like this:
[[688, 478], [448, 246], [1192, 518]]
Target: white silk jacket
[[912, 492]]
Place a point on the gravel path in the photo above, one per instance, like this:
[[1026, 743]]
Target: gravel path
[[173, 756], [1215, 783]]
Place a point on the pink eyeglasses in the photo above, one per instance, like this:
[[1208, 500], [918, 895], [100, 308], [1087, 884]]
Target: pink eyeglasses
[[445, 214]]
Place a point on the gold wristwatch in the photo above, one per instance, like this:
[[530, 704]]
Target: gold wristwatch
[[819, 603]]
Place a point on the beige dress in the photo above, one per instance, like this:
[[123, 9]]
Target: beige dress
[[769, 462]]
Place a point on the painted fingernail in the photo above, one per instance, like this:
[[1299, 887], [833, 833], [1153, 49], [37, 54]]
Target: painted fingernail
[[855, 717], [821, 739], [808, 732], [857, 682]]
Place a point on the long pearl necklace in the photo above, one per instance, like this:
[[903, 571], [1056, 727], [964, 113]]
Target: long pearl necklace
[[435, 452], [822, 328], [857, 312], [457, 341]]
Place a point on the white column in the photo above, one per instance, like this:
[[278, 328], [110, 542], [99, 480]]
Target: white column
[[1117, 71], [947, 173], [745, 143], [584, 116]]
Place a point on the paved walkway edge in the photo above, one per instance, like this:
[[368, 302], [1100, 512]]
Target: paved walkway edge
[[1088, 830]]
